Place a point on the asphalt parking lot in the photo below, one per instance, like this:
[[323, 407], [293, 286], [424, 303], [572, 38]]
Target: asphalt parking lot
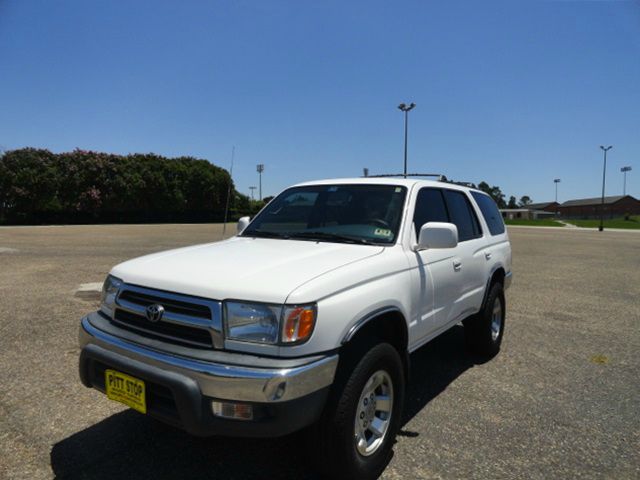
[[561, 400]]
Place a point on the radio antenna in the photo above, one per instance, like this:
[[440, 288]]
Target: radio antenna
[[226, 207]]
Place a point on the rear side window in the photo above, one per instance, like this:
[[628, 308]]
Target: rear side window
[[490, 212], [429, 208], [462, 215]]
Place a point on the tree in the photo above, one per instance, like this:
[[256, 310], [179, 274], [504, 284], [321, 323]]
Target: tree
[[494, 192], [525, 200], [29, 182], [512, 202]]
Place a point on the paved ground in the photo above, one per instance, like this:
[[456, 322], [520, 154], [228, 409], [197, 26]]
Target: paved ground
[[562, 400]]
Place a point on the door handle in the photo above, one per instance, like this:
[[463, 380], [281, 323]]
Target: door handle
[[487, 255], [457, 265]]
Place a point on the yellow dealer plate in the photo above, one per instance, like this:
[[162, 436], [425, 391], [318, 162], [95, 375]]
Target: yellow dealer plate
[[125, 389]]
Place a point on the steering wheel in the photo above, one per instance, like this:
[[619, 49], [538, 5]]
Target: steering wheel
[[379, 223]]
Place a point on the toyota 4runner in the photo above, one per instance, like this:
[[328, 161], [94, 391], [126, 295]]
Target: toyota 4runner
[[306, 317]]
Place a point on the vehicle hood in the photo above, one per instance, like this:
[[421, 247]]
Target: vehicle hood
[[258, 269]]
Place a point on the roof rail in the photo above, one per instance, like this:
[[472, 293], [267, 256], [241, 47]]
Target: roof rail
[[441, 178], [464, 184]]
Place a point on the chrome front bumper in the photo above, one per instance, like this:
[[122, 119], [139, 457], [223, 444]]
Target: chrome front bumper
[[272, 384]]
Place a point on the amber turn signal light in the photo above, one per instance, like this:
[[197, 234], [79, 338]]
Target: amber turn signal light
[[298, 324]]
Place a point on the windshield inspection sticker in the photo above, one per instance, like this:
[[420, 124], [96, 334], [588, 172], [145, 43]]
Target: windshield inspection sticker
[[382, 232]]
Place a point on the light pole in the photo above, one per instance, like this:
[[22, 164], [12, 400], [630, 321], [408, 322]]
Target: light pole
[[260, 169], [624, 170], [604, 172], [556, 181], [406, 109], [252, 189]]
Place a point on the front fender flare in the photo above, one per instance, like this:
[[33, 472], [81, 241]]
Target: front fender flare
[[366, 319]]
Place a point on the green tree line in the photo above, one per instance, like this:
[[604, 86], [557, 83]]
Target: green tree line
[[497, 195], [38, 186]]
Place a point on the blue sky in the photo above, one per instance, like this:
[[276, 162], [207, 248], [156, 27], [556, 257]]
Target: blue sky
[[515, 93]]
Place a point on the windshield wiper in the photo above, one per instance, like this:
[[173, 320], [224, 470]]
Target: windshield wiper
[[329, 236], [265, 234]]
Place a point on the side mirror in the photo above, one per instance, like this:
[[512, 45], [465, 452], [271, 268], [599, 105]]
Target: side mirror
[[243, 223], [437, 235]]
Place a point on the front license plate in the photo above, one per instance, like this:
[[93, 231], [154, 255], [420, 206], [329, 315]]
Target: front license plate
[[125, 389]]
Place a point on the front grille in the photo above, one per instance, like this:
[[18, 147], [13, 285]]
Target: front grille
[[187, 320], [170, 305], [173, 332]]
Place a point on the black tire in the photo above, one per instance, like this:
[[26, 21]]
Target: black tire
[[334, 435], [479, 334]]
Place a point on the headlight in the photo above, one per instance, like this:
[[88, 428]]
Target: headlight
[[270, 324], [109, 291], [252, 322]]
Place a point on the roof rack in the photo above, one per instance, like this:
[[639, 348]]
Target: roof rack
[[441, 178]]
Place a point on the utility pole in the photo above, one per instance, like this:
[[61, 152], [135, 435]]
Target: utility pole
[[226, 207], [556, 181], [624, 170], [252, 189], [260, 169], [604, 173], [406, 109]]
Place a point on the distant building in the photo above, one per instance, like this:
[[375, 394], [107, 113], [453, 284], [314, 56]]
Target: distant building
[[524, 213], [546, 206], [531, 211], [616, 206]]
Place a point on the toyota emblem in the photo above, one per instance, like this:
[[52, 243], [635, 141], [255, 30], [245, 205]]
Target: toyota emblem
[[154, 312]]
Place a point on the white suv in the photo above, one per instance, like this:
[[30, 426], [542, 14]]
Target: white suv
[[307, 317]]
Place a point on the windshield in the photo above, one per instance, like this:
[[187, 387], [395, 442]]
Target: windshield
[[366, 214]]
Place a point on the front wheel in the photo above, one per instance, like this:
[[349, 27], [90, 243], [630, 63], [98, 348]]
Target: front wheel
[[357, 430]]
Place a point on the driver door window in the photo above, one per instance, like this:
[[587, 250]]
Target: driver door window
[[430, 207]]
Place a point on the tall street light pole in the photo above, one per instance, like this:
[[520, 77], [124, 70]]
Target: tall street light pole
[[604, 172], [624, 170], [556, 181], [252, 189], [406, 109], [260, 169]]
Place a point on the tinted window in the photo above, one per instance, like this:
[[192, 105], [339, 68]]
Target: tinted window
[[490, 212], [462, 215], [429, 208]]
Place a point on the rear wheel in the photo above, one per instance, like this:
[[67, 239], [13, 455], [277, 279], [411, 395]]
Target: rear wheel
[[483, 332], [359, 425]]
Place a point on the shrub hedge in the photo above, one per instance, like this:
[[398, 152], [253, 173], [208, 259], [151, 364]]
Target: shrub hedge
[[38, 186]]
